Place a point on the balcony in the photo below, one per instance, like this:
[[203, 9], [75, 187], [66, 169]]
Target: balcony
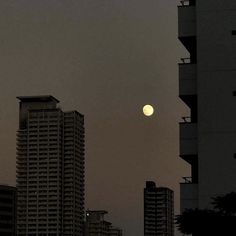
[[188, 195], [188, 140], [187, 20], [187, 79], [187, 23]]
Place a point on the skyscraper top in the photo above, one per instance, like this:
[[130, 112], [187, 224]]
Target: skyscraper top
[[40, 98]]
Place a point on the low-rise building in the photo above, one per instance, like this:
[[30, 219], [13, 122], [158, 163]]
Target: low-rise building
[[96, 225]]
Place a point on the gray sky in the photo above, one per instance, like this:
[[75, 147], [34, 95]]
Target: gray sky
[[106, 59]]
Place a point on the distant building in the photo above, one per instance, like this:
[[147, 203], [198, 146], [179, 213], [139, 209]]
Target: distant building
[[158, 210], [115, 231], [7, 210], [50, 169], [96, 225]]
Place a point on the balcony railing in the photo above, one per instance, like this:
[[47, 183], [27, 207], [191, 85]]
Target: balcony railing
[[186, 119], [184, 2], [187, 180], [185, 60], [187, 2]]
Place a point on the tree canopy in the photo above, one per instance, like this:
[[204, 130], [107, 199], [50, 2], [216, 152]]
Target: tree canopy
[[221, 220]]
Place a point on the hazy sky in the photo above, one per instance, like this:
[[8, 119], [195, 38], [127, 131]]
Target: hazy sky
[[106, 59]]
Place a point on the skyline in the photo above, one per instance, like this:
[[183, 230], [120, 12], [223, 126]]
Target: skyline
[[107, 60]]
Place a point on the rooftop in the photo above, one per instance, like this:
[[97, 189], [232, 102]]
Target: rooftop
[[40, 98], [97, 211]]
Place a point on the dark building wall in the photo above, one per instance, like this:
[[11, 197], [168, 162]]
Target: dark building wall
[[7, 210]]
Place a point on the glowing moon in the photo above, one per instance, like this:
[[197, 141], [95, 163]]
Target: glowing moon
[[148, 110]]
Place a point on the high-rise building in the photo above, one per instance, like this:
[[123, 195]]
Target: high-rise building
[[207, 85], [7, 210], [50, 169], [158, 210], [96, 225]]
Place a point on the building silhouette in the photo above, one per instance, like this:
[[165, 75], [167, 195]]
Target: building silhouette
[[207, 86], [7, 210], [158, 210], [96, 225], [50, 168]]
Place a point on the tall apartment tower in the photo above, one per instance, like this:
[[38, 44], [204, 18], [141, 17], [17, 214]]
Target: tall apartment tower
[[158, 210], [7, 210], [50, 169], [207, 85]]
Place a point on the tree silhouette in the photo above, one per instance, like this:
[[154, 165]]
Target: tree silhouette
[[226, 204], [219, 221]]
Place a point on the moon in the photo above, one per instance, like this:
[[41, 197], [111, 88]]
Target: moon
[[148, 110]]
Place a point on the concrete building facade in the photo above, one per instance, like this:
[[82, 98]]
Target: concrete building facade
[[50, 169], [8, 208], [158, 210], [207, 85]]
